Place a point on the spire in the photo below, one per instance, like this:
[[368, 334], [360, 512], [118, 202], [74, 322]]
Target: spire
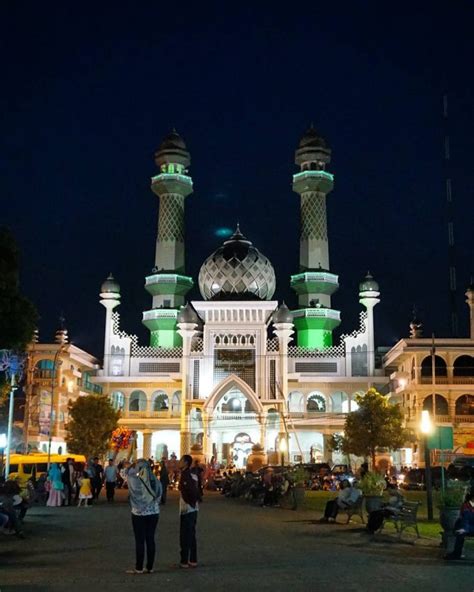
[[416, 327], [61, 336]]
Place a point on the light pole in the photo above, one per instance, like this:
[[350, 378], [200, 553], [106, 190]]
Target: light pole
[[3, 445], [51, 420], [426, 428], [12, 364], [283, 448]]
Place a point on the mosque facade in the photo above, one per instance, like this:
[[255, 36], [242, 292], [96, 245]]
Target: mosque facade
[[237, 371]]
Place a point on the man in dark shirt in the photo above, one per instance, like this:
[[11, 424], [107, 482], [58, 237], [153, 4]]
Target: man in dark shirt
[[188, 508]]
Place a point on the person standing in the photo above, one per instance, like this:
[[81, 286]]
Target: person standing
[[67, 471], [97, 478], [165, 481], [188, 508], [85, 490], [110, 479], [56, 486], [144, 494]]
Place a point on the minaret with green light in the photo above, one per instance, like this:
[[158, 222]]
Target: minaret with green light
[[168, 285], [314, 319]]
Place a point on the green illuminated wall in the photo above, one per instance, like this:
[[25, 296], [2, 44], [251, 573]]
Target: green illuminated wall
[[163, 332], [311, 334]]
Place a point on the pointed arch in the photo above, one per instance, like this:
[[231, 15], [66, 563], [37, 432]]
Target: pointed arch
[[228, 383]]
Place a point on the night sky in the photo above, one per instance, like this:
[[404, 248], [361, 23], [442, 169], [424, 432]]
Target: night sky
[[89, 90]]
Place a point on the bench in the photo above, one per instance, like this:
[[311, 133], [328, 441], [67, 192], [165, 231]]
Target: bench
[[355, 510], [406, 518]]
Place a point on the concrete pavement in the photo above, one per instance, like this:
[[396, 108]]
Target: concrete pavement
[[241, 547]]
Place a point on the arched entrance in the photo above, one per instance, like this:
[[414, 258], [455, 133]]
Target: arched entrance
[[234, 413]]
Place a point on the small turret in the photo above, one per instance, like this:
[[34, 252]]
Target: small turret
[[282, 315], [470, 302], [416, 327], [61, 336], [187, 315]]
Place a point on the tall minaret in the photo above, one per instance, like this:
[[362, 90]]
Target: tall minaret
[[314, 284], [168, 285], [110, 299], [369, 297]]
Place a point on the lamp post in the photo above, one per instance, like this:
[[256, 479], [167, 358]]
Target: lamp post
[[3, 445], [426, 428], [12, 364], [51, 419], [283, 448]]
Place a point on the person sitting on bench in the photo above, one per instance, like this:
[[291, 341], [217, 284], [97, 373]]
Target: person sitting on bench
[[464, 527], [347, 497], [377, 517]]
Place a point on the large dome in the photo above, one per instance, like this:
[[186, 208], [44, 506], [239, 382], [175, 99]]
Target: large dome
[[237, 271]]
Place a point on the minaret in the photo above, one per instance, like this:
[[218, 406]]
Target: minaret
[[61, 336], [369, 297], [168, 285], [283, 324], [110, 299], [470, 302], [314, 284]]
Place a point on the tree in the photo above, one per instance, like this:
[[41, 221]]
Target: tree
[[18, 316], [376, 424], [92, 420]]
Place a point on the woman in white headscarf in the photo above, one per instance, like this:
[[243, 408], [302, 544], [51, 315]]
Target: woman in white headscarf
[[145, 494]]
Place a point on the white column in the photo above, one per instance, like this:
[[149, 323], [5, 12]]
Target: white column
[[187, 331], [283, 331], [369, 300], [109, 302]]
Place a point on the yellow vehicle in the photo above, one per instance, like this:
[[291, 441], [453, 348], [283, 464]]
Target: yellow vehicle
[[35, 464]]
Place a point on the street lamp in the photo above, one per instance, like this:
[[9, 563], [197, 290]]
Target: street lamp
[[283, 448], [3, 445], [426, 428]]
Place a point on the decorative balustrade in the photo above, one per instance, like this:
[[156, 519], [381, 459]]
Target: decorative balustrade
[[447, 380]]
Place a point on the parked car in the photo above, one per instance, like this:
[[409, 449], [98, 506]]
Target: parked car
[[415, 479]]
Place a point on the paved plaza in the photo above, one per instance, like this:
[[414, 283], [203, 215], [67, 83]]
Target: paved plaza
[[242, 547]]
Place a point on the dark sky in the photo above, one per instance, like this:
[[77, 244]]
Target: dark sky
[[89, 90]]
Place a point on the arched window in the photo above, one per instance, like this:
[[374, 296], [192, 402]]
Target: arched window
[[463, 366], [465, 405], [117, 400], [441, 404], [44, 369], [176, 403], [338, 399], [273, 419], [137, 401], [440, 367], [295, 402], [316, 403], [160, 401]]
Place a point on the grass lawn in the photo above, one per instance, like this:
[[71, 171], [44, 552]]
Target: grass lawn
[[315, 501]]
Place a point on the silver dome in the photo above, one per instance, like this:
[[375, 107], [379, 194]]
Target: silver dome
[[237, 271], [110, 286], [187, 314], [282, 315], [368, 284]]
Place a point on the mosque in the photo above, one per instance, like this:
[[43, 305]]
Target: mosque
[[237, 372]]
